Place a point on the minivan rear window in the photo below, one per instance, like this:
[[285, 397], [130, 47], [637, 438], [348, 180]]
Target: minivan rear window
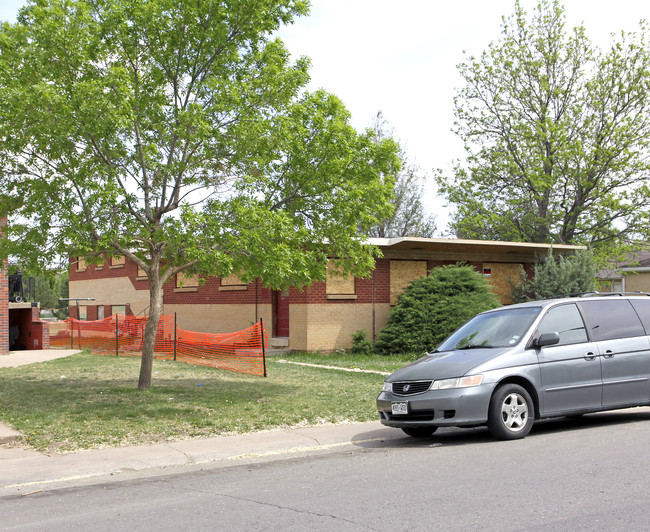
[[611, 319], [642, 307]]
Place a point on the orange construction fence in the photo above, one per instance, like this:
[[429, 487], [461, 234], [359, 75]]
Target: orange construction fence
[[242, 351]]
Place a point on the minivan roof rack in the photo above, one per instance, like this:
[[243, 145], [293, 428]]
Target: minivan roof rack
[[593, 294], [579, 294], [604, 294]]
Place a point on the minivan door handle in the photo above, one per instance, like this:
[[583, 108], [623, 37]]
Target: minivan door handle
[[590, 356], [608, 353]]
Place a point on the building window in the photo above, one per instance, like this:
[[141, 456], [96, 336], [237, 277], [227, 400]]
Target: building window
[[338, 286], [83, 312], [232, 282], [100, 312], [81, 264], [402, 272], [118, 309], [187, 282], [141, 274], [118, 261]]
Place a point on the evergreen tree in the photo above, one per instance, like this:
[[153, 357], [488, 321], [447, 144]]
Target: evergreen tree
[[432, 307], [557, 276]]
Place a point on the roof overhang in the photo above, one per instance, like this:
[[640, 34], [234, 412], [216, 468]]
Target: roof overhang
[[460, 249]]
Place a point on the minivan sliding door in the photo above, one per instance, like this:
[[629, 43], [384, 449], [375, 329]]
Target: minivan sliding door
[[570, 370], [623, 348]]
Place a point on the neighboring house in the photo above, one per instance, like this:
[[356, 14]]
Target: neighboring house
[[632, 275], [321, 317], [4, 303]]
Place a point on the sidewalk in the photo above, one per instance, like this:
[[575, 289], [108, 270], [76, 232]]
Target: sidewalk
[[25, 471]]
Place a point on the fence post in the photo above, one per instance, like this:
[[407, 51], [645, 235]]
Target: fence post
[[117, 341], [175, 339], [263, 350], [71, 334]]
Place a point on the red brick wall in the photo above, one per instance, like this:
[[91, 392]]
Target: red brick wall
[[212, 293], [4, 302], [375, 288]]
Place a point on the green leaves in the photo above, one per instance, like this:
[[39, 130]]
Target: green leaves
[[556, 276], [557, 134], [432, 307]]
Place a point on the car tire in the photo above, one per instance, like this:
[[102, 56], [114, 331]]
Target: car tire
[[511, 414], [419, 432]]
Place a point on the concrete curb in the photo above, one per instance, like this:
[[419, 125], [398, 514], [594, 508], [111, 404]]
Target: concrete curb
[[24, 470], [8, 435]]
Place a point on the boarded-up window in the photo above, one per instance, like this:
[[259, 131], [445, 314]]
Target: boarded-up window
[[118, 309], [118, 261], [402, 272], [81, 265], [502, 275], [337, 283], [83, 312], [141, 273], [232, 282], [187, 280]]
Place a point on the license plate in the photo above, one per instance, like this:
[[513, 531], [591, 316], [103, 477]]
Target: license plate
[[400, 409]]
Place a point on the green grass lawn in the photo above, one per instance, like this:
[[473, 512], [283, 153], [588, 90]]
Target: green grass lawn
[[87, 401]]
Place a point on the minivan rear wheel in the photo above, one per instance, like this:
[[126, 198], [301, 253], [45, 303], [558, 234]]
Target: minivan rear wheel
[[511, 412], [419, 432]]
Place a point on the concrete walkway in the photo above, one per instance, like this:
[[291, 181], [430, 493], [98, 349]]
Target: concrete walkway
[[21, 358], [25, 471]]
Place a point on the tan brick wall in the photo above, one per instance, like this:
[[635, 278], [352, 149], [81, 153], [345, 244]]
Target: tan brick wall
[[329, 327], [402, 272], [219, 318], [112, 291], [637, 282], [502, 274]]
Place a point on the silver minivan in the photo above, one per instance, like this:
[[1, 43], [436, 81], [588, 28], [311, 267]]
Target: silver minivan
[[507, 367]]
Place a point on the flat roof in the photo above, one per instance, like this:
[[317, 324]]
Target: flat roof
[[458, 245]]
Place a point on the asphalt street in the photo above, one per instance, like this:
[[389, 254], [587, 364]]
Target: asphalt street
[[583, 474]]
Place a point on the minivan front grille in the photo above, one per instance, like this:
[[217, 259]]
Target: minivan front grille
[[411, 387]]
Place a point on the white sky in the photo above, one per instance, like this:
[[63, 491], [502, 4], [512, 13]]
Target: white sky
[[400, 57]]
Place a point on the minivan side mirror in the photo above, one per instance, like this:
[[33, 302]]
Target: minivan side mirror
[[549, 338]]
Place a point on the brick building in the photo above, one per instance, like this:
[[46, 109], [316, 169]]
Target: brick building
[[4, 303], [321, 317]]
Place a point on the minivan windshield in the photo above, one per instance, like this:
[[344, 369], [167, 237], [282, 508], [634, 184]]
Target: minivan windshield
[[503, 328]]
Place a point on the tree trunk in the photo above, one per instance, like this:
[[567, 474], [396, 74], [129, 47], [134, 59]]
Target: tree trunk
[[149, 340]]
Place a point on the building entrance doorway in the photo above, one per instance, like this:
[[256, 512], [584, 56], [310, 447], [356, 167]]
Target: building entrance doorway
[[281, 313]]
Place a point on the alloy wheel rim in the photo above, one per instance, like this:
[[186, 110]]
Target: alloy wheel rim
[[514, 412]]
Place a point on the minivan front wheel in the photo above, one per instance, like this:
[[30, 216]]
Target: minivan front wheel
[[511, 412]]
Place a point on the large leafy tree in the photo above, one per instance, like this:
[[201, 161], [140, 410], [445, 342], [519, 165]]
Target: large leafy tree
[[409, 217], [179, 134], [557, 134]]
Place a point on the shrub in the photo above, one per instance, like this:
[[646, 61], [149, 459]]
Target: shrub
[[360, 344], [432, 307], [557, 275]]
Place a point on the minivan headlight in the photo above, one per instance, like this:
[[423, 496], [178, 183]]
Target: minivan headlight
[[460, 382]]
